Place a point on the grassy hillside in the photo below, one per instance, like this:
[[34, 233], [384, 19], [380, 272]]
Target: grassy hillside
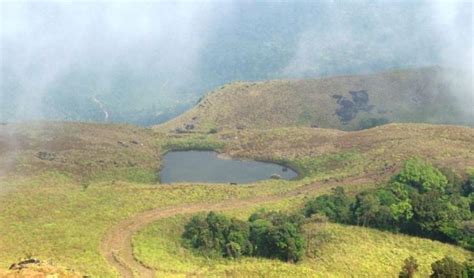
[[82, 151], [427, 95], [58, 205], [335, 251]]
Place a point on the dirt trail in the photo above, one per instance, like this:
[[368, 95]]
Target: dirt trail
[[116, 245]]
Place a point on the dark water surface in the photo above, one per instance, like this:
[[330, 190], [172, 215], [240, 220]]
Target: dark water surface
[[207, 166]]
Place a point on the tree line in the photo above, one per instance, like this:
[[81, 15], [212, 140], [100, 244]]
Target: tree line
[[265, 234], [420, 200]]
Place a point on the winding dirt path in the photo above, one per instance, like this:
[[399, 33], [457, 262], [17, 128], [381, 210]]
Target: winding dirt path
[[116, 245]]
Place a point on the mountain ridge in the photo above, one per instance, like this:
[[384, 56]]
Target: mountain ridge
[[349, 102]]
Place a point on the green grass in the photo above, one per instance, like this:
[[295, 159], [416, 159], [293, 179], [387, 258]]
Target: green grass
[[334, 165], [334, 251], [159, 245], [59, 210], [53, 217], [192, 142]]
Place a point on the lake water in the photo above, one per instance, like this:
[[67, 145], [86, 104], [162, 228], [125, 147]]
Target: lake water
[[209, 167]]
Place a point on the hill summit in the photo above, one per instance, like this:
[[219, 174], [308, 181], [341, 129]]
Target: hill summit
[[426, 95]]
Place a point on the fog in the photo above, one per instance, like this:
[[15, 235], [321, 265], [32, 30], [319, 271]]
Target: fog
[[44, 42], [404, 34], [145, 62]]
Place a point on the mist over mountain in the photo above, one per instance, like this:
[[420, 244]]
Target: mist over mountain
[[147, 62]]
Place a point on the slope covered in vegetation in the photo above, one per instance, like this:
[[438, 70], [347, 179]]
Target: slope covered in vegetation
[[333, 251], [67, 185], [426, 95]]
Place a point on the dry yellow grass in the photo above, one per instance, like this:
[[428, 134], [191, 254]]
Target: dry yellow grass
[[427, 95]]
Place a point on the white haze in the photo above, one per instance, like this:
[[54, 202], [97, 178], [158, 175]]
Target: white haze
[[41, 41], [165, 41], [440, 33]]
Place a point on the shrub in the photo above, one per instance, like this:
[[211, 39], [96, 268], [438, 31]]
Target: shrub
[[448, 268], [372, 122], [410, 266]]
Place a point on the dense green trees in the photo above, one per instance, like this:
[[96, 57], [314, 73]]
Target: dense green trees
[[266, 234], [335, 206], [422, 176], [277, 235], [420, 200], [216, 234]]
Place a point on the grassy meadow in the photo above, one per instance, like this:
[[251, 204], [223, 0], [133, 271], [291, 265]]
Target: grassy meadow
[[59, 208], [334, 251]]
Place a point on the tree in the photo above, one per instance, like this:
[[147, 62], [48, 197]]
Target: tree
[[468, 186], [335, 206], [268, 234], [431, 214], [466, 235], [233, 250], [439, 216], [448, 268], [218, 226], [259, 229], [197, 233], [238, 233], [422, 176], [286, 242], [277, 235], [218, 234], [410, 266], [366, 208], [455, 181]]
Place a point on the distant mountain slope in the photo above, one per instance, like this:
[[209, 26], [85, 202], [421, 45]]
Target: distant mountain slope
[[427, 95], [149, 61]]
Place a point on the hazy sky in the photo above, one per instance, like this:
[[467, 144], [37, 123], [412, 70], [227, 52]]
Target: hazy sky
[[170, 51]]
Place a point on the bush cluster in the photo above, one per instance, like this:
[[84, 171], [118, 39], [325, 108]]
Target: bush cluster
[[421, 200], [367, 123], [443, 268], [265, 234]]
